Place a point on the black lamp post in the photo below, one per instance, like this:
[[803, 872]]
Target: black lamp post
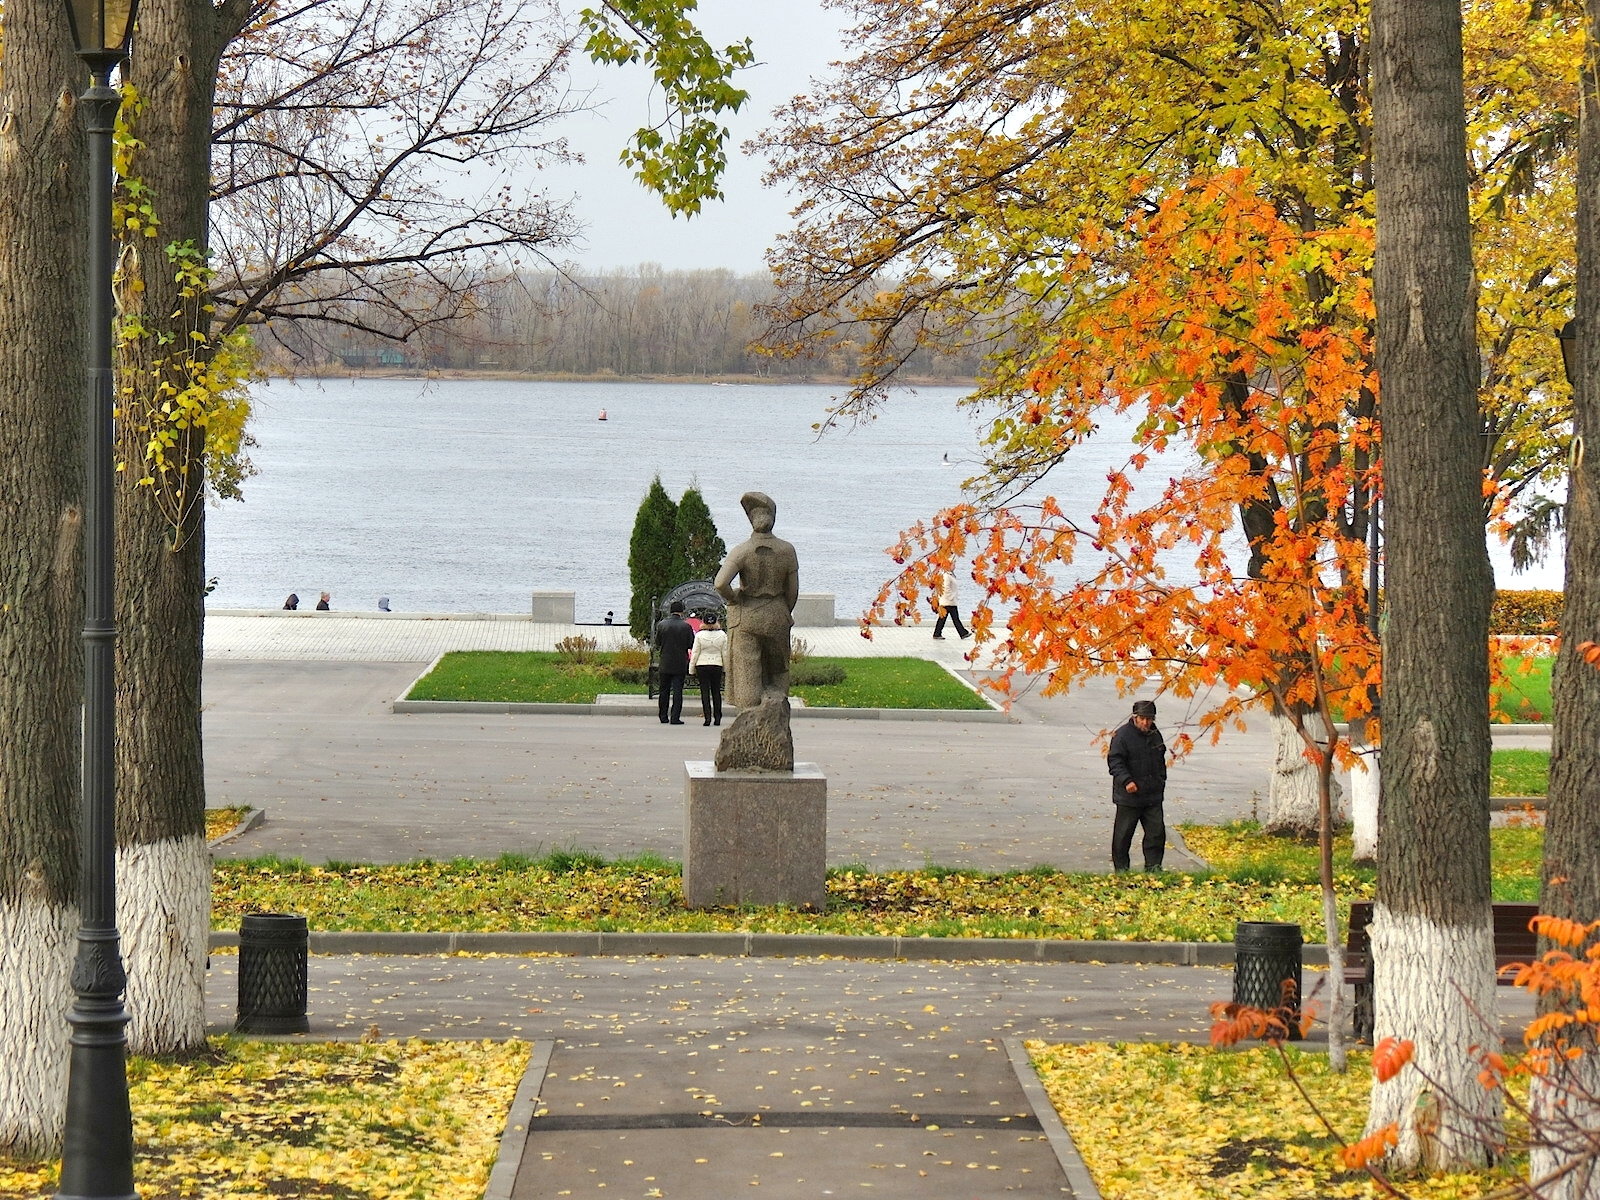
[[97, 1154]]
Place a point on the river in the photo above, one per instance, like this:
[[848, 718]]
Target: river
[[468, 495]]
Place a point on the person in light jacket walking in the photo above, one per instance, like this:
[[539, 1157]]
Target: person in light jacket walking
[[947, 608], [705, 664], [1138, 765]]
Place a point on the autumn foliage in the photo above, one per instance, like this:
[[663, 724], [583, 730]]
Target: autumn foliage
[[1237, 344]]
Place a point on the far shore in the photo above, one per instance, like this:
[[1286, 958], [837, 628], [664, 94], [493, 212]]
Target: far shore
[[325, 373]]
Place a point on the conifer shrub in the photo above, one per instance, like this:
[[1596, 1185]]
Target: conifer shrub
[[650, 557]]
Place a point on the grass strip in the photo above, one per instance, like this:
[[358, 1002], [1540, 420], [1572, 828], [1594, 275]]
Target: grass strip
[[1186, 1122], [1253, 878], [1237, 850], [253, 1119], [540, 677], [1519, 772], [1523, 695]]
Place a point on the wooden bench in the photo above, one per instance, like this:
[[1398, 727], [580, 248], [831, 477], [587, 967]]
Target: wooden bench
[[1514, 942]]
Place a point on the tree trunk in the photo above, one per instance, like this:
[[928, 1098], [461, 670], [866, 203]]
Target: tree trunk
[[164, 909], [1432, 943], [1366, 787], [1294, 797], [42, 396], [1572, 820], [164, 869]]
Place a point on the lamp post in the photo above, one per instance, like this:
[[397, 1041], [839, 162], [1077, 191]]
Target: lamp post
[[97, 1152]]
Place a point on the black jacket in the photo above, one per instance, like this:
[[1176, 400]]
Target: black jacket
[[674, 637], [1142, 758]]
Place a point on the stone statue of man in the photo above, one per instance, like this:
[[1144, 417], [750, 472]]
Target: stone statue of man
[[760, 607]]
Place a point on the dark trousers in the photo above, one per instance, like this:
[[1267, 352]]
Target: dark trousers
[[710, 692], [1155, 836], [952, 613], [672, 694]]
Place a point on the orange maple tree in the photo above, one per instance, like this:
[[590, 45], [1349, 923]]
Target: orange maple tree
[[1240, 343]]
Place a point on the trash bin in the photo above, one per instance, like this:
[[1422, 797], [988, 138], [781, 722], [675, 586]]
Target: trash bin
[[1265, 953], [272, 974]]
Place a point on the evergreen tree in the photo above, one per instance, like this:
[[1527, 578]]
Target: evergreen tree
[[697, 548], [650, 556]]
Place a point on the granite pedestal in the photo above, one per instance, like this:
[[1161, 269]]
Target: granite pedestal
[[755, 837]]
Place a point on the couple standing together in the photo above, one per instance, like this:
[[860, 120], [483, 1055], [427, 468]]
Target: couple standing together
[[686, 651]]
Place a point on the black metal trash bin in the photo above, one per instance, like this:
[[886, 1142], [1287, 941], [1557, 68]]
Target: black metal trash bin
[[272, 974], [1265, 953]]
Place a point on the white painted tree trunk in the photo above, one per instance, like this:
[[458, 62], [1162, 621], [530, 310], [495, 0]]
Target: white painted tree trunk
[[1435, 986], [1365, 788], [37, 943], [164, 916], [1564, 1156], [1293, 796]]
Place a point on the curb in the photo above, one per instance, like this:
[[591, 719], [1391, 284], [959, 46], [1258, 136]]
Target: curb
[[514, 1139], [601, 944], [1080, 1183], [252, 820]]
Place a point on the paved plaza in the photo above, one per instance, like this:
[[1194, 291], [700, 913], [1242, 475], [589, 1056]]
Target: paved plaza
[[298, 724]]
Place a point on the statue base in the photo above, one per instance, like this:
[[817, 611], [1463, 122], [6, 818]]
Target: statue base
[[755, 837]]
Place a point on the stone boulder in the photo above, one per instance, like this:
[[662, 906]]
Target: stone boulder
[[759, 739]]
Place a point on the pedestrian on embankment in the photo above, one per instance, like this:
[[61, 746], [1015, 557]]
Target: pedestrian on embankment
[[674, 638], [1138, 764], [705, 664]]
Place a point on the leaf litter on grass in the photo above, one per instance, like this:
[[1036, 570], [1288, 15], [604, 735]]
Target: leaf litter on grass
[[342, 1121], [1187, 1122]]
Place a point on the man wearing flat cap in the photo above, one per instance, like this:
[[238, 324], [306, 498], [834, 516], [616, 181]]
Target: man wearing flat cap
[[1138, 765]]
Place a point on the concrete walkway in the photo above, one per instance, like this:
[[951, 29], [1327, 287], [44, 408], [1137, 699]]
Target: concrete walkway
[[704, 1076], [420, 637]]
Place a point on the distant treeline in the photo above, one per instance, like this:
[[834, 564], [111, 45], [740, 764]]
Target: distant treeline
[[638, 321]]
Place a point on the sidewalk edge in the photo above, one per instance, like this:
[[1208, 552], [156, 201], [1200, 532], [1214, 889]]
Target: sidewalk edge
[[519, 1118], [1079, 1181]]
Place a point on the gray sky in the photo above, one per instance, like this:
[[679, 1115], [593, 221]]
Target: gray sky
[[793, 39]]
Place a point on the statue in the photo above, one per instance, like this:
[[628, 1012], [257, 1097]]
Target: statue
[[760, 616]]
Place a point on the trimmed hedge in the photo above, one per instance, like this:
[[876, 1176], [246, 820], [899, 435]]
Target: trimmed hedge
[[1525, 611]]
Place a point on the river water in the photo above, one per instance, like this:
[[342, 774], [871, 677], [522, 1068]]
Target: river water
[[468, 495]]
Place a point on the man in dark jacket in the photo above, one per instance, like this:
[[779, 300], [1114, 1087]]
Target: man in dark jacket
[[1138, 765], [674, 638]]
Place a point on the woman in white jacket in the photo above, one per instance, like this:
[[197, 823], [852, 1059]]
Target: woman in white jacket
[[705, 664], [947, 608]]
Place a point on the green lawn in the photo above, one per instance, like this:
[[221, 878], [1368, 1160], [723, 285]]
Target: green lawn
[[1519, 772], [1238, 850], [1525, 694], [533, 677]]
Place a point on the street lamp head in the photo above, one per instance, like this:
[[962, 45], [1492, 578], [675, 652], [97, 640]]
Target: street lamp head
[[1568, 334], [101, 30]]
